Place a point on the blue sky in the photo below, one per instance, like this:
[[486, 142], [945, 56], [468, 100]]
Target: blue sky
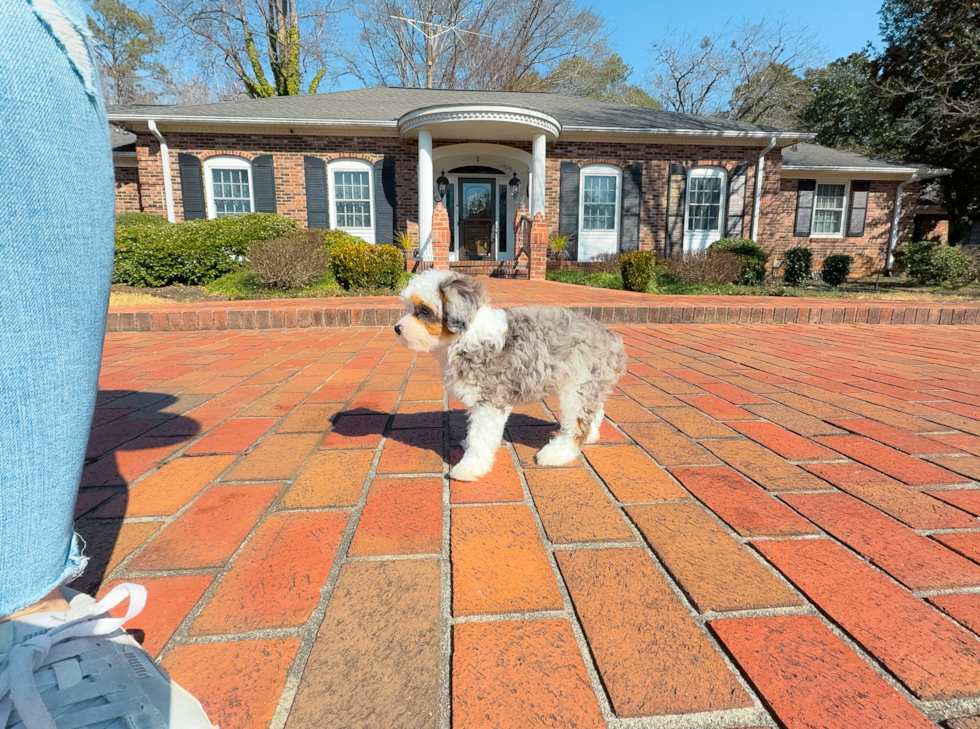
[[843, 26]]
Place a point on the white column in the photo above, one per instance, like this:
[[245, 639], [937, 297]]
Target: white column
[[537, 175], [425, 195]]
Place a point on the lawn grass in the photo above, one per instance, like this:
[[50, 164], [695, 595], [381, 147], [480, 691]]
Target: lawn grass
[[896, 289], [117, 298]]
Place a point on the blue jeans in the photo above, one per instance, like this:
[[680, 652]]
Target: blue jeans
[[56, 244]]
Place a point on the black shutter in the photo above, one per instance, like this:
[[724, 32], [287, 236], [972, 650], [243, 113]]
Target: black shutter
[[676, 202], [264, 184], [629, 216], [736, 201], [804, 208], [316, 192], [568, 206], [192, 187], [384, 201], [859, 207]]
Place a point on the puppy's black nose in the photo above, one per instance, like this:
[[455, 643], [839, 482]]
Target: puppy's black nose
[[398, 329]]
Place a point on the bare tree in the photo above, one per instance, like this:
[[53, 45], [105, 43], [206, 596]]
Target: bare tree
[[254, 39], [689, 72], [769, 60], [749, 72], [502, 44]]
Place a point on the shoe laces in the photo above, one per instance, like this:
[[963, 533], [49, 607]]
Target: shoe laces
[[20, 686]]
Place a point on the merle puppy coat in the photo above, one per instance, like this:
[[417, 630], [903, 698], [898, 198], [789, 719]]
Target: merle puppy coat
[[495, 359]]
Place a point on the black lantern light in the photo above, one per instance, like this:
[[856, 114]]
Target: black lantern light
[[442, 184], [515, 187]]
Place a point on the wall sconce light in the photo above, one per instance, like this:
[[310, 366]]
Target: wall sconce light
[[442, 184], [515, 188]]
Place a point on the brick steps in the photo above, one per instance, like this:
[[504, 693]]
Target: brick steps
[[385, 311]]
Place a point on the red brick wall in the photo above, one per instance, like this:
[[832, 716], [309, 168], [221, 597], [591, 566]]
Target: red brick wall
[[128, 190], [931, 227], [656, 159], [778, 197], [288, 152], [869, 250]]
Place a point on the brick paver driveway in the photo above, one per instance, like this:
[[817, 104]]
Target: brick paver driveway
[[779, 528]]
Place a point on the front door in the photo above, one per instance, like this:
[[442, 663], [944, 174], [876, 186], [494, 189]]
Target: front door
[[477, 213]]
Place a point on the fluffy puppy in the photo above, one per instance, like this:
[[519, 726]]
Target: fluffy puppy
[[495, 359]]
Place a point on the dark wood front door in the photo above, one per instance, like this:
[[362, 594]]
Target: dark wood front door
[[477, 213]]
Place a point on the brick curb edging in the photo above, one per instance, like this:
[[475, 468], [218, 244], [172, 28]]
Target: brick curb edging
[[302, 316]]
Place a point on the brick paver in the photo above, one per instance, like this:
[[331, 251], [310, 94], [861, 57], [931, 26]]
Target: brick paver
[[778, 527]]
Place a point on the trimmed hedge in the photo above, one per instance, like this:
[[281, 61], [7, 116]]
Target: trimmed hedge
[[799, 265], [754, 258], [360, 265], [194, 252], [636, 269], [128, 219], [334, 236], [836, 269]]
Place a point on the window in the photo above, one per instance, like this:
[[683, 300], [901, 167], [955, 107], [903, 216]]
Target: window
[[600, 187], [352, 198], [704, 203], [704, 217], [599, 202], [228, 186], [828, 209]]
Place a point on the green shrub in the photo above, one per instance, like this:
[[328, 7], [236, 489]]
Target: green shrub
[[799, 266], [290, 262], [928, 262], [951, 264], [360, 265], [836, 269], [754, 258], [193, 252], [915, 258], [127, 219], [333, 237], [636, 269]]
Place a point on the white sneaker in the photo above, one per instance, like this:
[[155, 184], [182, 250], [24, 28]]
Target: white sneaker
[[78, 669]]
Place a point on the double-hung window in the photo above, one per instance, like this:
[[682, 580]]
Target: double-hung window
[[599, 201], [228, 185], [352, 197], [829, 206], [600, 189]]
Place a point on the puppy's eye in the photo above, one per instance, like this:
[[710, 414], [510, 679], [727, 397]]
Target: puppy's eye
[[423, 311]]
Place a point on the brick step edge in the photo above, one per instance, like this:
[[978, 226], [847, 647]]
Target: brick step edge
[[305, 316]]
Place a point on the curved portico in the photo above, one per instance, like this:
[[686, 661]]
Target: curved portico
[[497, 123]]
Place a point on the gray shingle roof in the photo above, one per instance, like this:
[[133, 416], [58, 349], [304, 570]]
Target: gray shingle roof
[[384, 106], [814, 157], [121, 141]]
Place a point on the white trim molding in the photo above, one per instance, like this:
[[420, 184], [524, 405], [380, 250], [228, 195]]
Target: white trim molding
[[436, 116], [604, 240], [225, 162], [845, 209], [351, 165]]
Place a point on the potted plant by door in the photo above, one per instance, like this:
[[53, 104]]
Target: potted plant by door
[[406, 243]]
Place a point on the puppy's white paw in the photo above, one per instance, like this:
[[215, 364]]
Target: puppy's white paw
[[593, 437], [470, 470], [557, 453]]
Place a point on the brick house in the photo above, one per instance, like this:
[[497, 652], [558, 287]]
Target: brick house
[[614, 178]]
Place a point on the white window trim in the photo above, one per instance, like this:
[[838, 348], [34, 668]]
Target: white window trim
[[598, 237], [844, 210], [226, 162], [706, 171], [351, 165]]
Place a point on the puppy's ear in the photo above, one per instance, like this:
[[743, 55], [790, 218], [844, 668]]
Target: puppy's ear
[[462, 296]]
